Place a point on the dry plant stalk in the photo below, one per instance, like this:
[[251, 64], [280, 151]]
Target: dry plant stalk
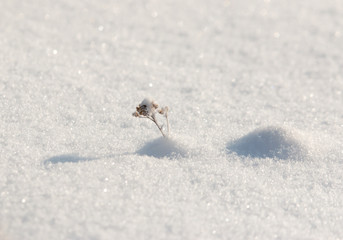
[[148, 109]]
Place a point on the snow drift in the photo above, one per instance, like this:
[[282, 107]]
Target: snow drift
[[270, 142], [162, 147]]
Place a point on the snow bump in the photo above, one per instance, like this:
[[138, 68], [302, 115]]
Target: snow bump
[[162, 147], [270, 142]]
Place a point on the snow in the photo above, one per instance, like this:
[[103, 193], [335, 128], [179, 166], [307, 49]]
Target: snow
[[163, 147], [75, 164], [272, 142]]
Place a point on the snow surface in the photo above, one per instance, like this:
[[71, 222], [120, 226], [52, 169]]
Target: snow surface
[[75, 164]]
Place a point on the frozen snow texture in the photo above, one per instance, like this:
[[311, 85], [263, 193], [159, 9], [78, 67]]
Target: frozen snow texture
[[71, 73], [270, 142], [163, 147]]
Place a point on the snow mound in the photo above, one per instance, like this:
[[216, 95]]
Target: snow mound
[[270, 142], [162, 147]]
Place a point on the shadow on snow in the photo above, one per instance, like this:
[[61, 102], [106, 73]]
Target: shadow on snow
[[68, 158]]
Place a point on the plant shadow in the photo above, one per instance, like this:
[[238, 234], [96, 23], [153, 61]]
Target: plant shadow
[[76, 158], [68, 158]]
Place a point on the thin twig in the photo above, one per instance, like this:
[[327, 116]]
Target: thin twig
[[159, 127], [166, 115], [153, 118]]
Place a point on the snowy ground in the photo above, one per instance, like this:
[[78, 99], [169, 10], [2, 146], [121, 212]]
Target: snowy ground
[[75, 164]]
